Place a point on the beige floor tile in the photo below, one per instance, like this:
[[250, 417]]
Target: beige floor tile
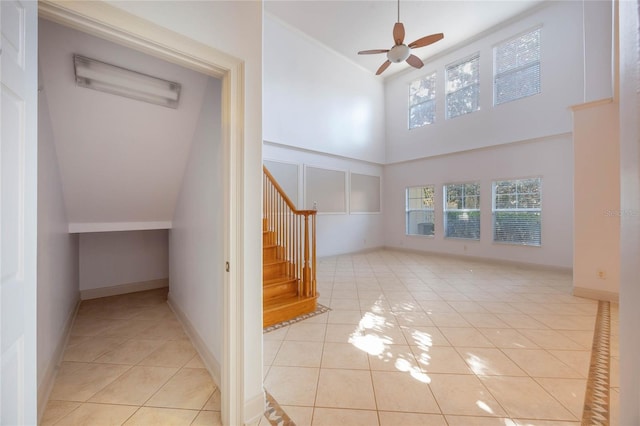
[[270, 349], [484, 320], [89, 326], [522, 397], [569, 392], [129, 328], [147, 416], [154, 313], [412, 319], [189, 388], [403, 391], [467, 336], [301, 416], [213, 403], [196, 362], [318, 319], [499, 307], [490, 362], [163, 330], [173, 353], [507, 338], [278, 334], [440, 359], [464, 395], [345, 389], [340, 333], [299, 354], [478, 421], [55, 410], [208, 418], [550, 339], [394, 358], [344, 305], [91, 348], [521, 321], [530, 422], [448, 319], [130, 352], [614, 407], [344, 355], [583, 338], [344, 317], [540, 363], [306, 332], [614, 379], [135, 386], [578, 360], [292, 385], [568, 322], [80, 381], [98, 415], [390, 418], [424, 336], [334, 417], [432, 307]]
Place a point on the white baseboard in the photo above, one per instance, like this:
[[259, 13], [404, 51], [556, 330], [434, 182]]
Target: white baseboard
[[46, 385], [589, 293], [94, 293], [208, 359], [254, 409]]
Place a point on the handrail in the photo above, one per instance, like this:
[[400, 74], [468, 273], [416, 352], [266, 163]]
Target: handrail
[[293, 232]]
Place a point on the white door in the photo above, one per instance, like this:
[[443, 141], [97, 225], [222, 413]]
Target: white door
[[18, 211]]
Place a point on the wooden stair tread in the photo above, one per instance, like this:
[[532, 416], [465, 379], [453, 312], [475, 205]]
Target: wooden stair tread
[[283, 302], [274, 262], [277, 280]]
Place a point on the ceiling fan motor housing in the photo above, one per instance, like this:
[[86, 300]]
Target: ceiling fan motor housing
[[399, 53]]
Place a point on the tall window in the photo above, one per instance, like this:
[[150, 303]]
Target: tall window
[[516, 211], [422, 101], [420, 212], [463, 86], [462, 210], [517, 68]]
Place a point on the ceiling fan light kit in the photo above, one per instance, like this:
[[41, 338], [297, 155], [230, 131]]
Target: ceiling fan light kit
[[401, 52]]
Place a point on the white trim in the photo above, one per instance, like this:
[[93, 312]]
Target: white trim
[[77, 228], [115, 290], [105, 21], [209, 361], [589, 293], [51, 371]]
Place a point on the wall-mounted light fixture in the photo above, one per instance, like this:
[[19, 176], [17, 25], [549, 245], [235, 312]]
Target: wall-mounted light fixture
[[109, 78]]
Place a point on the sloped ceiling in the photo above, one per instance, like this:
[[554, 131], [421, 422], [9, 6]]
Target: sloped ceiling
[[121, 160], [350, 26]]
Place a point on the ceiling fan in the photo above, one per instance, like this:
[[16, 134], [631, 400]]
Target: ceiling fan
[[402, 52]]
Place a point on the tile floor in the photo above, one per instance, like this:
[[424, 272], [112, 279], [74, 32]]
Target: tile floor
[[128, 361], [425, 340], [411, 340]]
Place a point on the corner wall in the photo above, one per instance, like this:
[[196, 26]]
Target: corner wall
[[57, 270], [196, 243]]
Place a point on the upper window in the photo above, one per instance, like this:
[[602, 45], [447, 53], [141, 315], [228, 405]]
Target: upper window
[[420, 210], [463, 86], [516, 211], [462, 210], [517, 68], [422, 101]]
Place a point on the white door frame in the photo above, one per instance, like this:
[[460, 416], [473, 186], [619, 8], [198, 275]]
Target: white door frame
[[107, 22]]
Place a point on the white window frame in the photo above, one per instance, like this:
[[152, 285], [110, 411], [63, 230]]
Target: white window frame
[[448, 92], [516, 70], [463, 210], [430, 100], [409, 210], [495, 210]]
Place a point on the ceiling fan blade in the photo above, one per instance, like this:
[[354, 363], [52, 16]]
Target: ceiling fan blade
[[371, 52], [383, 67], [398, 33], [415, 62], [425, 41]]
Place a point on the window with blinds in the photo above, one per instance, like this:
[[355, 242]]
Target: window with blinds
[[422, 101], [463, 86], [462, 210], [517, 68], [420, 210], [516, 211]]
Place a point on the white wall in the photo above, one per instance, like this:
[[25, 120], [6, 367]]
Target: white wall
[[114, 258], [234, 27], [196, 240], [57, 258], [545, 114], [549, 158], [314, 98], [337, 233]]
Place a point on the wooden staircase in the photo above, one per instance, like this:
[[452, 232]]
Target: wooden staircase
[[288, 256]]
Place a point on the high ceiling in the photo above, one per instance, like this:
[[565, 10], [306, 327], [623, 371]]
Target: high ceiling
[[350, 26]]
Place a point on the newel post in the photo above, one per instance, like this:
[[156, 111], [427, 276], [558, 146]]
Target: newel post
[[306, 270]]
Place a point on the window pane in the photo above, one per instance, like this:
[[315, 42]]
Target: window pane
[[517, 227], [420, 214], [517, 68], [463, 101], [462, 215], [421, 114], [463, 87], [422, 105], [420, 222], [462, 224]]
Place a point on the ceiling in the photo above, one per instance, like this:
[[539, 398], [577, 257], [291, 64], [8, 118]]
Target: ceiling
[[121, 160], [350, 26]]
